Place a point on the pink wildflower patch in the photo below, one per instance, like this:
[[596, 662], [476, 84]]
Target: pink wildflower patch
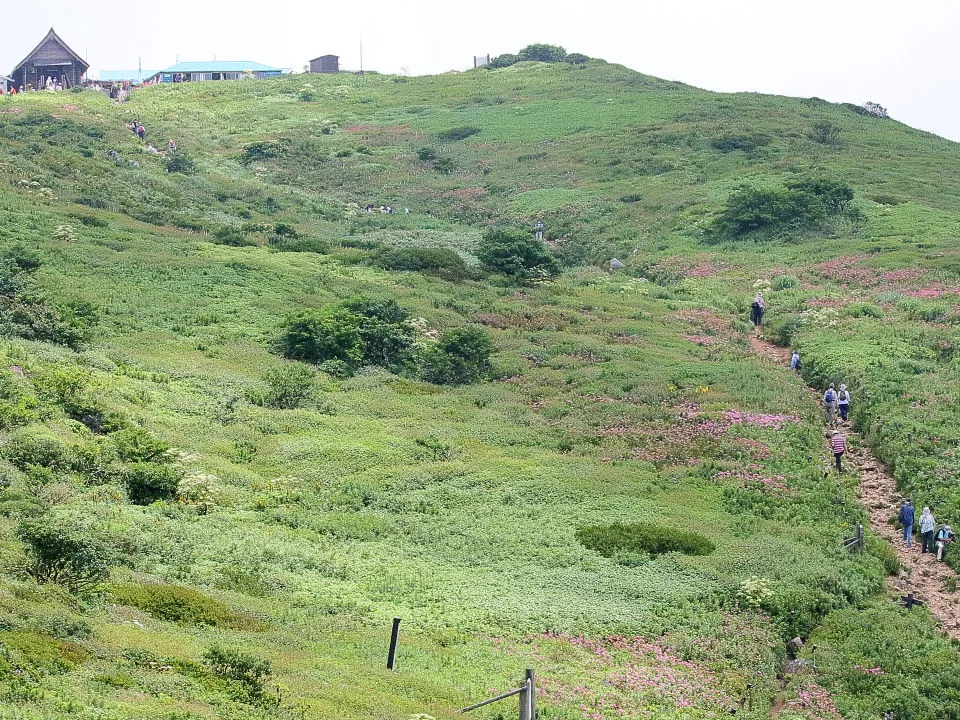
[[772, 420], [622, 677], [814, 703]]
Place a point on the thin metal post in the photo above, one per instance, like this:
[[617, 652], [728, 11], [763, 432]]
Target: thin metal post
[[531, 694], [392, 654]]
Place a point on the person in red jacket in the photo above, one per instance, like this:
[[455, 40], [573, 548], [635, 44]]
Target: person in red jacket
[[838, 444]]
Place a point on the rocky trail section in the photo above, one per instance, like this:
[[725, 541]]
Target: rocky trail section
[[920, 573]]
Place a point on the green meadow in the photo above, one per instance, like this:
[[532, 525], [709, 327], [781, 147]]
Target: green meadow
[[229, 532]]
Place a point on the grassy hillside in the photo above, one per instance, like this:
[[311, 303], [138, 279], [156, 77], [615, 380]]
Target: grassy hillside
[[296, 534]]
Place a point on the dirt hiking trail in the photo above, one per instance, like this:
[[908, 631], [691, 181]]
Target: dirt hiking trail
[[920, 573]]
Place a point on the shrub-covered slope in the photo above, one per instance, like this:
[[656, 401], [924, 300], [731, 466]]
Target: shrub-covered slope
[[195, 526]]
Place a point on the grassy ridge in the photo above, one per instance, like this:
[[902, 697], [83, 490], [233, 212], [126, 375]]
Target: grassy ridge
[[626, 398]]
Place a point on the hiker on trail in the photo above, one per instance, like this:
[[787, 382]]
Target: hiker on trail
[[838, 444], [757, 308], [905, 518], [830, 405], [538, 230], [927, 525], [944, 538], [172, 146], [141, 133], [795, 363], [843, 402]]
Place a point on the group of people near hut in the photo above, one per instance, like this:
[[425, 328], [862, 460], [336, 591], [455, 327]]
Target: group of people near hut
[[931, 538]]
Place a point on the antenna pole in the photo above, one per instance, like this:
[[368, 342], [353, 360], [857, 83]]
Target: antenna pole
[[361, 53]]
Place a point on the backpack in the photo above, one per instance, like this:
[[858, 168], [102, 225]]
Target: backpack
[[829, 396]]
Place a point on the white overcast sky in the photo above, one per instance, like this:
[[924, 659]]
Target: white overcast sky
[[904, 55]]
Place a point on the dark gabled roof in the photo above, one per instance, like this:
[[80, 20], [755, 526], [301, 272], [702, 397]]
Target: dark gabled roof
[[66, 47], [324, 57]]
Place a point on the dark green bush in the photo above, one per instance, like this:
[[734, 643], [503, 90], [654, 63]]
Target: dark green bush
[[502, 61], [801, 204], [136, 444], [148, 482], [747, 143], [28, 449], [61, 552], [232, 236], [515, 253], [263, 150], [287, 387], [541, 52], [427, 154], [282, 243], [457, 133], [642, 538], [438, 261], [444, 165], [180, 163], [461, 356], [825, 133], [319, 335], [577, 59]]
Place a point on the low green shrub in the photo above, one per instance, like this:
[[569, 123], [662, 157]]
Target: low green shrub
[[515, 253], [28, 448], [642, 538], [287, 387], [148, 482], [502, 61], [180, 163], [174, 603], [61, 552], [457, 133], [135, 444], [784, 282], [461, 356], [233, 236], [747, 143], [435, 261], [863, 309], [249, 672]]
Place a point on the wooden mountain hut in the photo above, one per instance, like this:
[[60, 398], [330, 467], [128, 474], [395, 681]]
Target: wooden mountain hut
[[325, 64], [52, 61]]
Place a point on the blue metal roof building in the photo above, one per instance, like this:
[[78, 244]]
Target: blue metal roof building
[[215, 70]]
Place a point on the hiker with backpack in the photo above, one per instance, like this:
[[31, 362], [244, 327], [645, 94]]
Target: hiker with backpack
[[757, 308], [795, 363], [830, 405], [927, 525], [905, 518], [944, 538], [843, 402]]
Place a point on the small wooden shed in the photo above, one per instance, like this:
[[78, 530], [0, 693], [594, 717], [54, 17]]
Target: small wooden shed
[[52, 59], [5, 84], [325, 64]]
